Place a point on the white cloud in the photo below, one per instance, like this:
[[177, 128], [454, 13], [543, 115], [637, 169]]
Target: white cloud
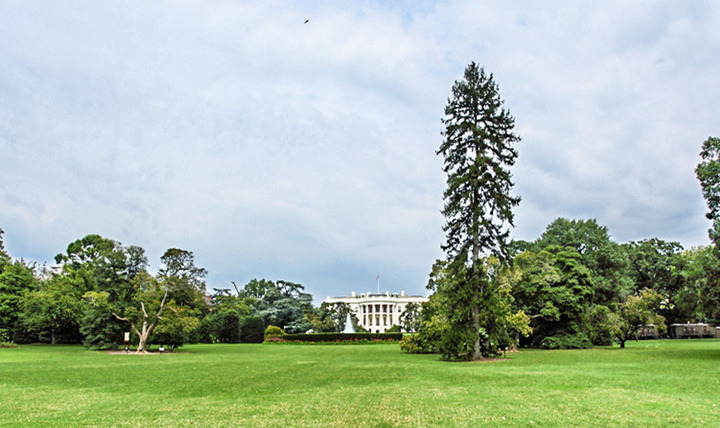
[[275, 148]]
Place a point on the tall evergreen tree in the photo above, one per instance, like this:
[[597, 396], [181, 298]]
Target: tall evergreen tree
[[708, 173], [478, 152]]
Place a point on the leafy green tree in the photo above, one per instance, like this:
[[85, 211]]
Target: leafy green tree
[[184, 280], [174, 329], [699, 298], [54, 309], [223, 301], [607, 261], [16, 278], [478, 152], [637, 311], [600, 325], [410, 318], [228, 327], [252, 330], [284, 304], [658, 265], [100, 265], [554, 288], [146, 310], [4, 256], [99, 328], [330, 317], [708, 173]]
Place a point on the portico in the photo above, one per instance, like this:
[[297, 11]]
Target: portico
[[378, 312]]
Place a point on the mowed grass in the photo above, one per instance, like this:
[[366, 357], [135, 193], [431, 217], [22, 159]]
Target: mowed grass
[[650, 383]]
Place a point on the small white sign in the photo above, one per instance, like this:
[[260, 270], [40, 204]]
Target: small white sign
[[127, 336]]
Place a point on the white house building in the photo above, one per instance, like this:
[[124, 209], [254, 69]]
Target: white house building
[[378, 312]]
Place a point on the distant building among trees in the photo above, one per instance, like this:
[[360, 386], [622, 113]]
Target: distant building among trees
[[378, 312]]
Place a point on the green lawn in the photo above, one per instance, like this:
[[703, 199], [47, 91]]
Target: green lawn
[[651, 383]]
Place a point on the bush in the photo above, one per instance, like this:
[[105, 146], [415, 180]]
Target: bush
[[567, 341], [252, 330], [5, 341], [206, 331], [227, 326], [100, 329], [341, 337], [413, 344], [601, 325], [394, 329], [273, 331], [174, 331]]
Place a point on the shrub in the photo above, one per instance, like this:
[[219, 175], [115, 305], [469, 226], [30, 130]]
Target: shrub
[[413, 344], [174, 330], [601, 325], [5, 341], [567, 341], [394, 329], [206, 331], [273, 331], [341, 337], [100, 329], [227, 326], [252, 330]]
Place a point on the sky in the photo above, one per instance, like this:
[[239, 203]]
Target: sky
[[279, 149]]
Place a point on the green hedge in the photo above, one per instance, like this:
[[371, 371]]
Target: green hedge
[[340, 337], [567, 341]]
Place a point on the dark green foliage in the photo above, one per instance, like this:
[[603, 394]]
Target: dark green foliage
[[330, 318], [252, 330], [334, 337], [699, 298], [478, 152], [54, 310], [410, 318], [658, 265], [227, 327], [101, 330], [599, 325], [567, 341], [284, 304], [554, 289], [206, 331], [708, 173], [394, 329], [174, 330], [16, 278], [184, 280], [607, 261]]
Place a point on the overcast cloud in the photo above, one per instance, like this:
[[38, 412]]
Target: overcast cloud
[[306, 152]]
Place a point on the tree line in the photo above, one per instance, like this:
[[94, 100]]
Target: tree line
[[99, 289], [573, 287]]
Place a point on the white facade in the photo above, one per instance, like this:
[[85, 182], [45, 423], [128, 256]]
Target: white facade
[[378, 312]]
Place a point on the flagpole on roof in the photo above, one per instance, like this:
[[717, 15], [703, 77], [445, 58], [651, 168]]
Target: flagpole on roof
[[378, 284]]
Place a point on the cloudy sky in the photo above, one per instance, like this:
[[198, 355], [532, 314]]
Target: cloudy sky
[[281, 149]]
